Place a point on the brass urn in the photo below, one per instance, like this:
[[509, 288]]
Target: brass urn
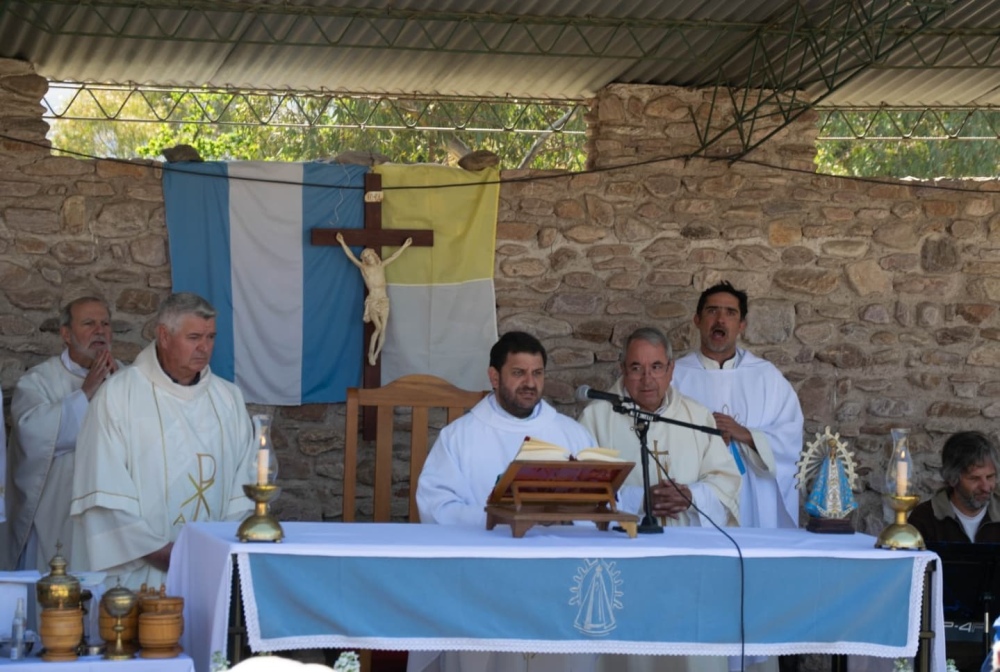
[[58, 590]]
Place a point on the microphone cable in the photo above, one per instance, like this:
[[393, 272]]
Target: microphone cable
[[739, 552]]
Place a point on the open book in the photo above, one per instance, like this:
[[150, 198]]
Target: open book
[[535, 450]]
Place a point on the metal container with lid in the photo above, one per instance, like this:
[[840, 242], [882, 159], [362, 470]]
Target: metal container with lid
[[58, 590]]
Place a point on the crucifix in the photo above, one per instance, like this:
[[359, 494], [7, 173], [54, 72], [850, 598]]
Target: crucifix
[[375, 237]]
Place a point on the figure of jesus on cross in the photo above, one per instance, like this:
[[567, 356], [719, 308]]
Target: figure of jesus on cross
[[377, 302]]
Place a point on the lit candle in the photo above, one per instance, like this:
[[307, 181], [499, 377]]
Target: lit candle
[[263, 458], [900, 478]]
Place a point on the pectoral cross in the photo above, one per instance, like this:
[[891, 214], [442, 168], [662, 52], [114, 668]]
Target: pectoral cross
[[662, 468], [375, 237]]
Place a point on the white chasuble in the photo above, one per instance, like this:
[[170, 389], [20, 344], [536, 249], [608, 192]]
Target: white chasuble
[[758, 397], [458, 476], [151, 456], [46, 410], [690, 457]]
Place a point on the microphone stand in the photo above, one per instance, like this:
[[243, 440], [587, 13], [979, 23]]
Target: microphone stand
[[642, 419]]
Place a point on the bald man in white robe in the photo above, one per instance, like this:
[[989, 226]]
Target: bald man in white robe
[[47, 407]]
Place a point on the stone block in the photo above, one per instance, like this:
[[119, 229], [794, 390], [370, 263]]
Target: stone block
[[770, 322], [574, 304], [569, 209], [149, 250], [843, 356], [633, 231], [939, 255], [845, 249], [570, 358], [897, 236], [120, 220], [813, 281], [754, 256], [516, 231], [57, 166], [815, 333], [600, 211], [985, 355], [18, 188], [950, 409], [547, 236], [976, 313], [539, 325], [899, 262], [138, 301], [595, 331], [979, 207], [32, 220], [74, 252], [139, 169], [876, 313], [674, 248], [625, 307], [585, 234], [625, 280], [666, 310], [522, 268]]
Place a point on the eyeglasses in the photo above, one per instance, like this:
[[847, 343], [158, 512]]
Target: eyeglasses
[[656, 370]]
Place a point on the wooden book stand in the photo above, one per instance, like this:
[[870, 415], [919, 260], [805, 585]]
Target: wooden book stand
[[532, 492]]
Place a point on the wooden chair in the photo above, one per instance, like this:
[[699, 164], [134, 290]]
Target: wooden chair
[[419, 392]]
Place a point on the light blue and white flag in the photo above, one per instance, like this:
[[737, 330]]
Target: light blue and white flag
[[289, 324]]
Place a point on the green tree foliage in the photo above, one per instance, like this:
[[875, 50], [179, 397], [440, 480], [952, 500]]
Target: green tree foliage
[[274, 127], [970, 148]]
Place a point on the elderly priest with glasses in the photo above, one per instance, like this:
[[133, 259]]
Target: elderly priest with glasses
[[694, 479]]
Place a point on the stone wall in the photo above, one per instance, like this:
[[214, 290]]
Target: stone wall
[[878, 301]]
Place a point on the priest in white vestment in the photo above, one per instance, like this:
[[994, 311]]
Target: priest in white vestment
[[693, 478], [164, 442], [753, 404], [463, 467], [755, 407], [47, 407]]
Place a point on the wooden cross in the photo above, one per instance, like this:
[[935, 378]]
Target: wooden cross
[[375, 237]]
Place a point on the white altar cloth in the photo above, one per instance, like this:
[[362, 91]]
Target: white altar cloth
[[289, 604]]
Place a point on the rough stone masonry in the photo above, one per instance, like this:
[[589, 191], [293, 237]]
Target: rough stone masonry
[[877, 301]]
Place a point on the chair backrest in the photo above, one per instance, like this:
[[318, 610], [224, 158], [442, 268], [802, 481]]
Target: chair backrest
[[419, 392]]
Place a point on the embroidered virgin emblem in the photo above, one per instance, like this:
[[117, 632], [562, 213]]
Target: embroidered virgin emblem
[[596, 593]]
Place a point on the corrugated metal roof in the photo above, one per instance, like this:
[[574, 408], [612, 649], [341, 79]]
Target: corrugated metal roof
[[490, 48]]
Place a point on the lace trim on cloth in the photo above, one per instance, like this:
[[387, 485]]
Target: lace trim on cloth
[[257, 643]]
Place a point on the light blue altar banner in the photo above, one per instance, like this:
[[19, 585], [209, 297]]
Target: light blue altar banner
[[573, 599], [559, 589]]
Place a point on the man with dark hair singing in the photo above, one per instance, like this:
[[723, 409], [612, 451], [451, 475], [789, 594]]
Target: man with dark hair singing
[[752, 403]]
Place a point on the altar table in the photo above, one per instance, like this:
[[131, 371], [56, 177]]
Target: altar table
[[558, 589]]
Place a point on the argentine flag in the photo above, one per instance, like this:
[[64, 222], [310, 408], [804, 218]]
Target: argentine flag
[[289, 323]]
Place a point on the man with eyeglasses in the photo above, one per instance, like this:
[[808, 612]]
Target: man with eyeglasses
[[686, 466], [754, 406]]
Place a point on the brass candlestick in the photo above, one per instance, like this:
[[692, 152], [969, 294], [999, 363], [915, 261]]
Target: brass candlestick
[[900, 535], [118, 602], [260, 525]]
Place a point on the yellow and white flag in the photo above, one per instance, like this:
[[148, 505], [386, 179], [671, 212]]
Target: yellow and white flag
[[442, 318]]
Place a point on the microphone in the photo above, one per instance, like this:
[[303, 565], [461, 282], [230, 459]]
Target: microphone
[[585, 392]]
